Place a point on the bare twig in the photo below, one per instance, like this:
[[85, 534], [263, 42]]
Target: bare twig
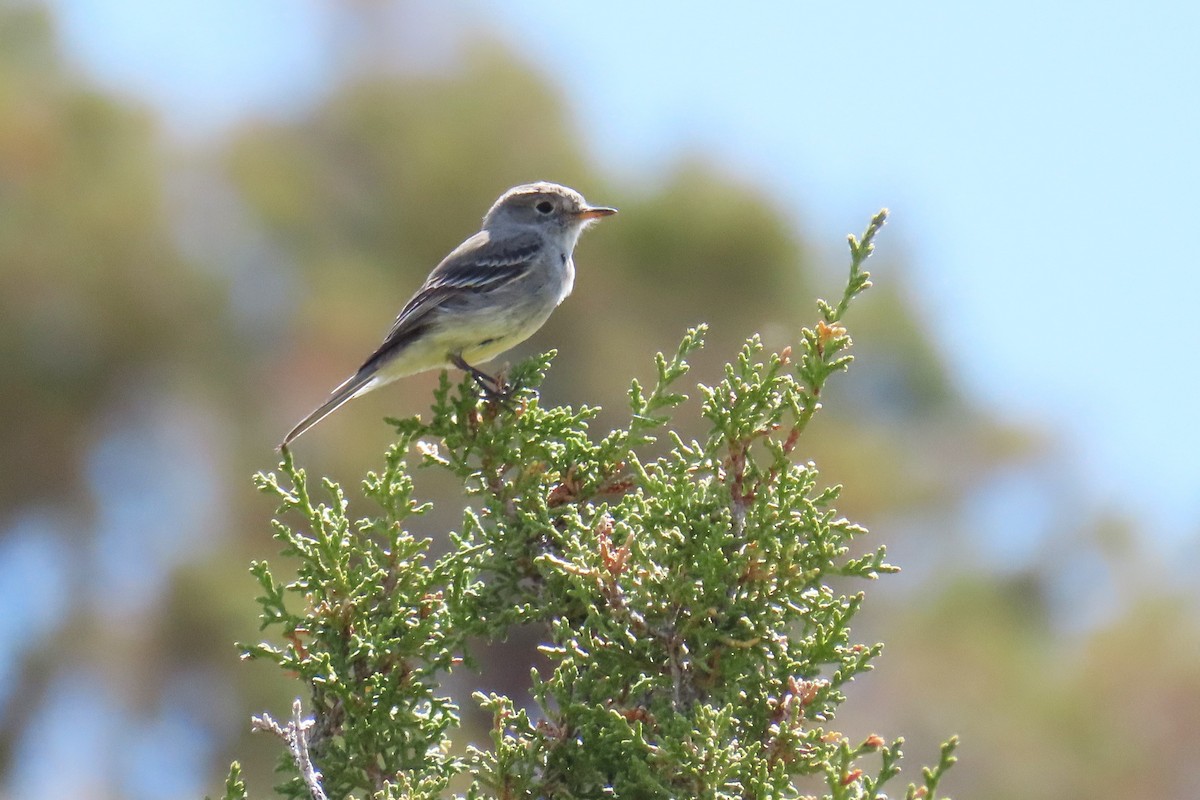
[[296, 737]]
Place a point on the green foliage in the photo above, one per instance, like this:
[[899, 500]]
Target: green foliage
[[235, 787], [696, 645], [371, 639]]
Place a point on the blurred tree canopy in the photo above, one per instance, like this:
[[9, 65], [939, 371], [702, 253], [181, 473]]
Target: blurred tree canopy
[[92, 289], [166, 315]]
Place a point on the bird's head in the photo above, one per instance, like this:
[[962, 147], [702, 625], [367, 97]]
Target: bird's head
[[544, 205]]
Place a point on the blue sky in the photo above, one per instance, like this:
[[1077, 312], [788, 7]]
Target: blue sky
[[1040, 161]]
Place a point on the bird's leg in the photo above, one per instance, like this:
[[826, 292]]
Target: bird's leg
[[493, 387], [485, 381]]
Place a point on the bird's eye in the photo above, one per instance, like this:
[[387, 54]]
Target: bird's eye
[[544, 207]]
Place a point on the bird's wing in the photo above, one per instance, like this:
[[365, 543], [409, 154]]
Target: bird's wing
[[480, 264]]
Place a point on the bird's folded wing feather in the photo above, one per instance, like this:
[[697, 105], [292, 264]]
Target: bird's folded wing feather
[[480, 264]]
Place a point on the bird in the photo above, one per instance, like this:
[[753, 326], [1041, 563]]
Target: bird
[[492, 292]]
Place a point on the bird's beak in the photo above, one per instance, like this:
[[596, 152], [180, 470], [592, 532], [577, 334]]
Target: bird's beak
[[594, 212]]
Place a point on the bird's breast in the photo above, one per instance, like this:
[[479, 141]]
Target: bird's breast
[[568, 276]]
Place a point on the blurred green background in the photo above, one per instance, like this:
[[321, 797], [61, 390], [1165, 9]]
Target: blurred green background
[[210, 213]]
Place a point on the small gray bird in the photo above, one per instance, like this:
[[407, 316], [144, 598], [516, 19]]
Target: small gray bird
[[492, 292]]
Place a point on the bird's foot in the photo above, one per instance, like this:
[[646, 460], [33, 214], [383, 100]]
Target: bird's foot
[[501, 391], [496, 388]]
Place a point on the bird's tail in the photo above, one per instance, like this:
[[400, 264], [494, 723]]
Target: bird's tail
[[353, 386]]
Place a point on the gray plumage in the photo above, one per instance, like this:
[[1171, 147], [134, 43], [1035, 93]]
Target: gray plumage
[[492, 292]]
